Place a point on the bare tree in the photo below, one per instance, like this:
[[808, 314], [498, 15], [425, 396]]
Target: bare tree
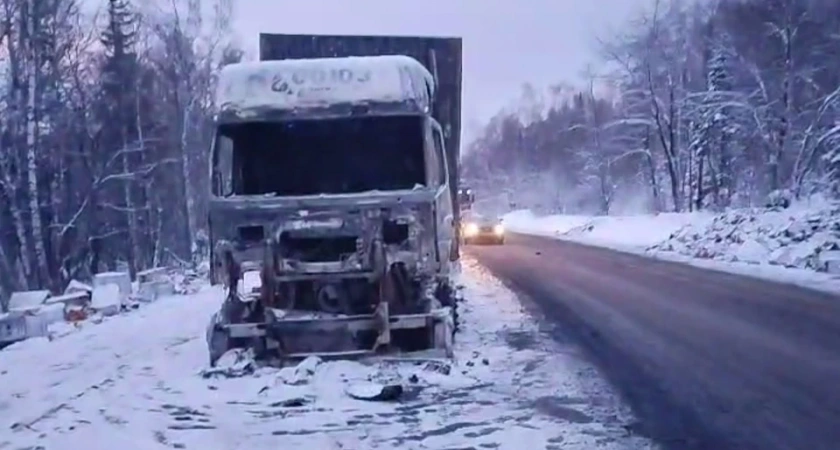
[[728, 103], [88, 153]]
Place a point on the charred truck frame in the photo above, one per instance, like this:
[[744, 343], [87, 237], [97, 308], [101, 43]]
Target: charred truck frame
[[334, 209]]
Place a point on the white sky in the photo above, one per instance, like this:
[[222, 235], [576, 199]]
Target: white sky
[[506, 43]]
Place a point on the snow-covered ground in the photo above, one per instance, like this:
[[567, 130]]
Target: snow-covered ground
[[135, 382], [797, 245], [627, 232]]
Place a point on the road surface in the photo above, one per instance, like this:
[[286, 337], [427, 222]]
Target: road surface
[[708, 360]]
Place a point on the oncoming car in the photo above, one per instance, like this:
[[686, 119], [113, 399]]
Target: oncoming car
[[482, 230]]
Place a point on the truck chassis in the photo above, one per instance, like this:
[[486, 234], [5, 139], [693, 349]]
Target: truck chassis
[[268, 319]]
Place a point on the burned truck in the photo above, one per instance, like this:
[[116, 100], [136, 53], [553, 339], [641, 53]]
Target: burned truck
[[333, 215]]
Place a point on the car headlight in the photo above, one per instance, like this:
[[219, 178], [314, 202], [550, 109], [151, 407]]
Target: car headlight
[[470, 230], [499, 230]]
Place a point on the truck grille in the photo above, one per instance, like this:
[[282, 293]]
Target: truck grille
[[318, 249]]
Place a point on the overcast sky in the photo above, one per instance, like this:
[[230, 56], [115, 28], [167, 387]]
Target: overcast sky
[[506, 43]]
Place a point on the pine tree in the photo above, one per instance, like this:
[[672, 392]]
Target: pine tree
[[120, 66], [119, 91], [719, 83], [714, 129]]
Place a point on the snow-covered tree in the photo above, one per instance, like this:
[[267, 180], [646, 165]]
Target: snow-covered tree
[[90, 144], [716, 104]]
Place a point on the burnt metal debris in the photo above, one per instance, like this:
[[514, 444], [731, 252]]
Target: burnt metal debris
[[342, 275]]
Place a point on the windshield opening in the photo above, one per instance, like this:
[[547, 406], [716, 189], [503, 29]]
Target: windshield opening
[[308, 157]]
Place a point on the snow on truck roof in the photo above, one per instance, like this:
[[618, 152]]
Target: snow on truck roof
[[246, 89]]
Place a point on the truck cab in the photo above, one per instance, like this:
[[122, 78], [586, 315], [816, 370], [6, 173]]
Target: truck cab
[[351, 140], [331, 179]]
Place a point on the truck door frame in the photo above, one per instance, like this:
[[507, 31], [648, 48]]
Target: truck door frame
[[444, 209]]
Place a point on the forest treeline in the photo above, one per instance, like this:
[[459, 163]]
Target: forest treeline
[[105, 125], [707, 105]]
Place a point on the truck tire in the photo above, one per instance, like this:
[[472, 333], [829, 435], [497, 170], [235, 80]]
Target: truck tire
[[455, 249], [218, 343], [448, 297]]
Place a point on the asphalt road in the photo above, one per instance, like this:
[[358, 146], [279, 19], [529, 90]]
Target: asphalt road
[[707, 360]]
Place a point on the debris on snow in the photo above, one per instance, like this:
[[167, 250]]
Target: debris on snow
[[153, 284], [295, 402], [150, 291], [36, 326], [106, 299], [29, 322], [61, 315], [153, 274], [78, 298], [233, 364], [374, 392], [61, 329], [439, 367], [780, 198], [27, 301], [121, 279], [301, 373], [187, 282], [50, 313], [77, 286], [12, 328]]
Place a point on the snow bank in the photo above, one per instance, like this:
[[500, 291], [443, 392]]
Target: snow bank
[[790, 245], [633, 231], [800, 237], [627, 232]]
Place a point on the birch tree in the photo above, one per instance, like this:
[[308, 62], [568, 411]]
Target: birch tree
[[87, 147]]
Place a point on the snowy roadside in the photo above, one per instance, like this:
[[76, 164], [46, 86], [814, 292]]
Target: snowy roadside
[[135, 381], [798, 245]]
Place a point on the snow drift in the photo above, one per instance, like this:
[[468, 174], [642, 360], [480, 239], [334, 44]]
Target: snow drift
[[630, 232], [799, 237], [804, 236]]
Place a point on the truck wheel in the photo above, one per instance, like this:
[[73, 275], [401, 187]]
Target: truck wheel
[[447, 296], [218, 343], [455, 250]]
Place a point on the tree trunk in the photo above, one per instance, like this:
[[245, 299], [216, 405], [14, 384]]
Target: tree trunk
[[189, 188], [131, 216], [32, 175]]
